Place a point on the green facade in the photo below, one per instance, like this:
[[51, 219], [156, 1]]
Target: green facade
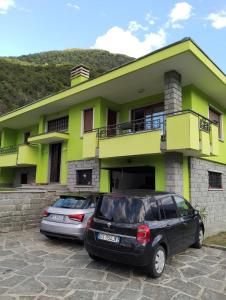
[[193, 98]]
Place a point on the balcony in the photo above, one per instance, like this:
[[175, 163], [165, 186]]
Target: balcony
[[48, 137], [18, 155], [186, 132]]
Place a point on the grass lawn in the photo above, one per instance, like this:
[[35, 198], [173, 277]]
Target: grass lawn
[[218, 239]]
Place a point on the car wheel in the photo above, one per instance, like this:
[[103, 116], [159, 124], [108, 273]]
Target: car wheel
[[157, 265], [198, 244], [50, 237]]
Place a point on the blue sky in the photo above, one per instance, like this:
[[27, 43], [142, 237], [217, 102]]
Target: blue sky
[[122, 26]]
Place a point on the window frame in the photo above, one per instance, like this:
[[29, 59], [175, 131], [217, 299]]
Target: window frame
[[221, 125], [161, 206], [188, 204], [83, 119], [84, 170], [210, 187]]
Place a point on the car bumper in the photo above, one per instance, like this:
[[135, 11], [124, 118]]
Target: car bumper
[[141, 258], [62, 230]]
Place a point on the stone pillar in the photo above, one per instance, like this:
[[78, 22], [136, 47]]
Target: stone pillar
[[172, 92], [173, 160], [174, 172]]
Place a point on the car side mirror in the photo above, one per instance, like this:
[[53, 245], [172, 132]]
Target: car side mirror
[[196, 212]]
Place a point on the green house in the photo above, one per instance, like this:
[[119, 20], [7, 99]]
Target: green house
[[156, 123]]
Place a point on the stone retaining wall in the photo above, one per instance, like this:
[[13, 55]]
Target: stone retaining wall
[[213, 200], [21, 210]]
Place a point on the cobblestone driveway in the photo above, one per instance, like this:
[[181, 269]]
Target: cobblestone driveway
[[32, 267]]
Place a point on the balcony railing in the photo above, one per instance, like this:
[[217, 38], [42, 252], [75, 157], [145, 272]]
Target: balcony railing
[[156, 121], [9, 150]]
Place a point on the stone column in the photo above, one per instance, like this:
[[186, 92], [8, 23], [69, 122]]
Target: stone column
[[173, 160], [172, 92], [174, 172]]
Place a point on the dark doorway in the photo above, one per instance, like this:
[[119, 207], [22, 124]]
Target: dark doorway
[[55, 162], [111, 122], [23, 178], [132, 178]]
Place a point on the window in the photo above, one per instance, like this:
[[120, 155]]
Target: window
[[215, 117], [26, 136], [88, 120], [58, 125], [215, 180], [152, 212], [120, 209], [74, 203], [84, 177], [169, 208], [184, 208]]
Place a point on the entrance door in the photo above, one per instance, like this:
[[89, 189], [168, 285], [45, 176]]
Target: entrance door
[[55, 162], [132, 178], [111, 122]]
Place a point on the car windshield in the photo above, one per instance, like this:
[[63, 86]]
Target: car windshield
[[74, 203], [120, 209]]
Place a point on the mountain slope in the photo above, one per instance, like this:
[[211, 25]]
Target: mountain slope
[[26, 78]]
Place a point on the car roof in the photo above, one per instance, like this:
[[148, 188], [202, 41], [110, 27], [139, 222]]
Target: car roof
[[80, 194], [140, 193]]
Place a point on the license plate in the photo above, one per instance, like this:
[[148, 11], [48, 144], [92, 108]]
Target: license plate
[[57, 218], [108, 238]]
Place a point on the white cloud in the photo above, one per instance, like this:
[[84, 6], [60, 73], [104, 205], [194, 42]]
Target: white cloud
[[218, 20], [5, 5], [150, 18], [69, 4], [181, 11], [135, 26], [118, 40]]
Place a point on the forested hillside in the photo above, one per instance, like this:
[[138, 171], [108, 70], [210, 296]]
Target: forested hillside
[[27, 78]]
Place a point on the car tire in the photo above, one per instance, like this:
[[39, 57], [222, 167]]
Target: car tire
[[50, 237], [93, 257], [199, 242], [158, 261]]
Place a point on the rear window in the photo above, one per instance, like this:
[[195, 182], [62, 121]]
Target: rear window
[[74, 203], [120, 209]]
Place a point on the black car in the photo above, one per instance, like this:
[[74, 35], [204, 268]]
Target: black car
[[142, 229]]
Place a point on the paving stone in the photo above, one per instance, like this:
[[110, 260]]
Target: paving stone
[[189, 272], [55, 271], [87, 274], [31, 270], [158, 292], [27, 297], [38, 252], [181, 296], [128, 294], [5, 252], [28, 287], [134, 284], [115, 278], [88, 285], [12, 281], [2, 290], [211, 295], [186, 287], [98, 265], [209, 283], [57, 293], [104, 295], [219, 275], [55, 282], [81, 295], [7, 297], [13, 264]]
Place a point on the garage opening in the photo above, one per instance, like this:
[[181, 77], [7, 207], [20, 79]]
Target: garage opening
[[132, 178]]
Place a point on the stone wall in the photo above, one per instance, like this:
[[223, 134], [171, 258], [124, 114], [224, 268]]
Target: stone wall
[[22, 209], [214, 200], [174, 172], [30, 171], [92, 164]]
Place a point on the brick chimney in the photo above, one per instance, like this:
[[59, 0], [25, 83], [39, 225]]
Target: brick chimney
[[79, 74]]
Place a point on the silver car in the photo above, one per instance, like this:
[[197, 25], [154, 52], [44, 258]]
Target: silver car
[[68, 216]]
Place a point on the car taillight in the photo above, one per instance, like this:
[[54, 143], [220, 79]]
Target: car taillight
[[89, 223], [45, 213], [143, 234], [76, 217]]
